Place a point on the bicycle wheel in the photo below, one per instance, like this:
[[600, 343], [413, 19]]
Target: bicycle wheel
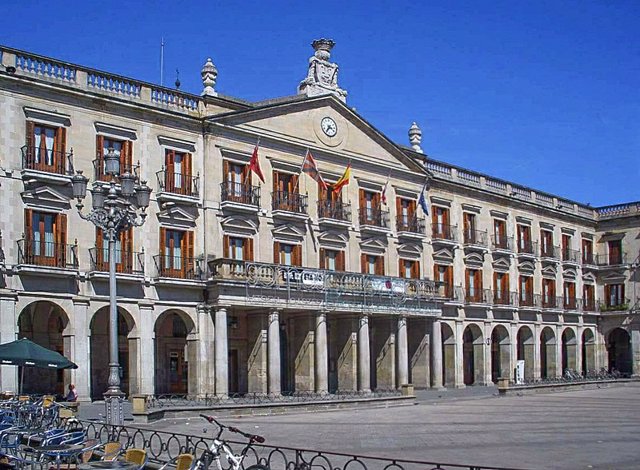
[[257, 466]]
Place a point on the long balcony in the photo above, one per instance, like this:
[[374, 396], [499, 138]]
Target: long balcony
[[570, 256], [474, 238], [373, 218], [180, 268], [527, 248], [477, 296], [127, 262], [588, 259], [504, 298], [180, 184], [47, 254], [549, 252], [548, 301], [47, 161], [444, 232], [239, 194], [283, 202], [334, 211], [501, 243], [612, 259], [100, 175], [609, 307], [410, 225], [313, 288]]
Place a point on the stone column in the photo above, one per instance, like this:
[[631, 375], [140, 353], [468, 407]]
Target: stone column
[[364, 358], [436, 354], [81, 377], [488, 359], [403, 352], [459, 356], [146, 350], [221, 353], [514, 350], [579, 357], [537, 372], [273, 353], [205, 354], [559, 371], [8, 333], [635, 351], [322, 354]]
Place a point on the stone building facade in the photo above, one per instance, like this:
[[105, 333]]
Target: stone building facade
[[234, 285]]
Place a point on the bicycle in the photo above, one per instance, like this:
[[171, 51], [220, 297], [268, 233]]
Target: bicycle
[[212, 455]]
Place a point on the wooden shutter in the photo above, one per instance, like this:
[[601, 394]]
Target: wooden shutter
[[379, 266], [187, 253], [362, 200], [187, 174], [363, 263], [248, 249], [399, 210], [401, 267], [225, 172], [276, 181], [467, 283], [415, 269], [340, 264], [162, 244], [225, 247], [505, 282], [169, 179], [29, 133], [293, 184], [445, 218], [60, 230], [321, 264], [607, 294], [297, 255], [28, 224], [276, 252]]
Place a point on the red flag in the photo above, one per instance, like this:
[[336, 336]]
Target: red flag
[[254, 164], [310, 168]]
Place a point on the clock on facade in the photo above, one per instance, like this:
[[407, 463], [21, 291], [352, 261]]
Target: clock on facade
[[329, 126]]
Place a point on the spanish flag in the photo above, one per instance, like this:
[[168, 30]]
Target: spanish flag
[[343, 181]]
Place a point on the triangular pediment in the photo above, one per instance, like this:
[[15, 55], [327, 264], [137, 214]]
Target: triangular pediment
[[373, 245], [474, 259], [239, 224], [443, 254], [333, 239], [527, 266], [410, 249], [178, 216], [570, 273], [45, 196], [299, 123], [501, 264], [549, 271], [589, 277], [614, 276], [288, 232]]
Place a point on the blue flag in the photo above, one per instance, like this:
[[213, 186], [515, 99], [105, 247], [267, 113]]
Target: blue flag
[[423, 200]]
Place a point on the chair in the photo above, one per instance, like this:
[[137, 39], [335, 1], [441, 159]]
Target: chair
[[136, 456], [85, 455], [181, 462], [111, 451]]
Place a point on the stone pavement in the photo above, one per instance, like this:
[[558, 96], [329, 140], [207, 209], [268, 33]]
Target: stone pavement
[[570, 430]]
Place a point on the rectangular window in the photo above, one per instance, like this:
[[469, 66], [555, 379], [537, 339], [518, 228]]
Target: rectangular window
[[567, 255], [45, 148], [287, 254], [501, 288], [372, 264], [524, 239], [405, 213], [238, 248], [409, 269], [444, 274], [526, 291], [121, 148], [546, 243], [332, 260], [236, 181], [45, 238], [570, 295], [615, 252], [440, 223], [589, 296], [286, 195], [587, 251], [469, 221], [177, 253], [500, 233], [614, 295], [370, 211], [548, 293], [474, 285], [178, 178], [124, 252]]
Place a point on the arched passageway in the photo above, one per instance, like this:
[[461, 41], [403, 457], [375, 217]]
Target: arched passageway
[[525, 350], [43, 323], [569, 350], [500, 354], [473, 355], [172, 355], [619, 351], [448, 356], [588, 352], [547, 353], [99, 347]]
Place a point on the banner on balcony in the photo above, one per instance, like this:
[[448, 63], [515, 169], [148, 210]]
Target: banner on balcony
[[305, 277], [396, 286]]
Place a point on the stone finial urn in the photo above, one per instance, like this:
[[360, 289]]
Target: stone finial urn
[[415, 137], [209, 74]]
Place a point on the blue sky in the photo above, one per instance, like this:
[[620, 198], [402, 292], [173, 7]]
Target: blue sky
[[543, 93]]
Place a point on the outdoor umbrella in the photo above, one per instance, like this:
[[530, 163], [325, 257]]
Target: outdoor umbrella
[[26, 353]]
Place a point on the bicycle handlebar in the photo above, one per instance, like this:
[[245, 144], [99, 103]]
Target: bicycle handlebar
[[251, 437]]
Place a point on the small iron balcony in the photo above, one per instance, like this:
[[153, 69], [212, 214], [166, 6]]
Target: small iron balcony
[[179, 267], [127, 262], [240, 193], [178, 183], [410, 224], [47, 254], [373, 217], [48, 161], [289, 202], [335, 210]]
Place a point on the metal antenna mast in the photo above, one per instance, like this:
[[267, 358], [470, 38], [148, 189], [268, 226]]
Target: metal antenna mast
[[161, 61]]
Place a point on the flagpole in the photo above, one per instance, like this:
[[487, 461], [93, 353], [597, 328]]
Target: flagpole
[[304, 159]]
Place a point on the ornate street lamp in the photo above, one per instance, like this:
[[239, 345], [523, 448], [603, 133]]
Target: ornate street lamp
[[114, 211]]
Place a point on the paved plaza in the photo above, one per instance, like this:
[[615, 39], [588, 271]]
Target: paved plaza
[[569, 430]]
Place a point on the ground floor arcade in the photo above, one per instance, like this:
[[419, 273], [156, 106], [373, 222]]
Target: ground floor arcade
[[196, 350]]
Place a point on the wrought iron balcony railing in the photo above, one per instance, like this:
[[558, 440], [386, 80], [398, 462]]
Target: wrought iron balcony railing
[[127, 262], [612, 259], [570, 256], [240, 193], [289, 202], [48, 254], [178, 183], [335, 210], [609, 306], [549, 251], [410, 224], [277, 276], [526, 299], [374, 217], [178, 267], [547, 301], [443, 232], [474, 237], [49, 161], [503, 297], [571, 303], [527, 247], [100, 175], [499, 242], [477, 296], [589, 305], [588, 258]]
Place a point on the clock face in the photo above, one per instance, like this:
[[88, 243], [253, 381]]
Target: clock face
[[329, 126]]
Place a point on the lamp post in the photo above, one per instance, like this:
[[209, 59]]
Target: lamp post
[[113, 211]]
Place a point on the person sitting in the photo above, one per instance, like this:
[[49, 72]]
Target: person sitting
[[73, 393]]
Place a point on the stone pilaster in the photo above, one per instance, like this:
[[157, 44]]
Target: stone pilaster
[[321, 354], [221, 346], [459, 355], [403, 352], [205, 367], [436, 354], [8, 333], [273, 377], [364, 355]]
